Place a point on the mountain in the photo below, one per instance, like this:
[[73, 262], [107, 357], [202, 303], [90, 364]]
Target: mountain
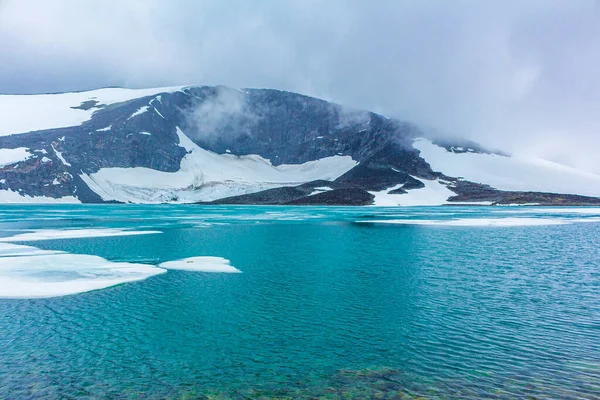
[[199, 144]]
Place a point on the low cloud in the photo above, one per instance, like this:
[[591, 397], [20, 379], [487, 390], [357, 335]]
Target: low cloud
[[351, 117], [222, 114]]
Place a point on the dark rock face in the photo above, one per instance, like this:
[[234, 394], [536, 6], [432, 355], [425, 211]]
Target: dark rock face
[[339, 194], [350, 197], [284, 127], [469, 191], [266, 197]]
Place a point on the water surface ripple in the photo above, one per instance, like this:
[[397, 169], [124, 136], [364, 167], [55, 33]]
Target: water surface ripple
[[328, 305]]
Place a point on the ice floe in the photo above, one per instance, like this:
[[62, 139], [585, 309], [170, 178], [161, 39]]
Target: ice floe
[[27, 272], [52, 234], [201, 264]]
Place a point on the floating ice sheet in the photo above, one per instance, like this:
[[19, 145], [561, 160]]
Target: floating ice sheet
[[552, 210], [201, 264], [51, 234], [500, 222], [10, 196], [27, 272]]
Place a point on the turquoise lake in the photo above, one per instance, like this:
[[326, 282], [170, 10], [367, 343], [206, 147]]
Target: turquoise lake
[[332, 302]]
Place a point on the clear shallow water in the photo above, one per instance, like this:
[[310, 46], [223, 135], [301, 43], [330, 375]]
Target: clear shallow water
[[325, 306]]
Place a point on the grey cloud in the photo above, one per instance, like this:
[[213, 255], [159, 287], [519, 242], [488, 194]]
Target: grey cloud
[[519, 75]]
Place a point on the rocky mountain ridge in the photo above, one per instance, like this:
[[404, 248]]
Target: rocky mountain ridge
[[202, 144]]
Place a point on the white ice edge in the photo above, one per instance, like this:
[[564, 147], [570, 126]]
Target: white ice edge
[[201, 264], [8, 196], [52, 234], [558, 210], [475, 222], [28, 272]]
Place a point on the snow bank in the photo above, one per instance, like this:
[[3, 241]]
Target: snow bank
[[510, 173], [9, 196], [26, 113], [495, 222], [25, 272], [12, 156], [207, 176], [434, 193], [52, 234], [201, 264]]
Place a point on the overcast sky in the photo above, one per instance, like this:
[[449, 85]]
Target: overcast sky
[[521, 75]]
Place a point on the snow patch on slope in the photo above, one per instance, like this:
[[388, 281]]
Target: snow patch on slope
[[207, 176], [509, 173], [434, 193], [108, 128], [12, 156], [60, 156], [26, 113], [139, 112], [321, 189]]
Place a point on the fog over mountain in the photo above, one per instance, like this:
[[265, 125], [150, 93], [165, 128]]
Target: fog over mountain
[[521, 76]]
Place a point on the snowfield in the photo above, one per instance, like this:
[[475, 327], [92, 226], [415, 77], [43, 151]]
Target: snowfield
[[26, 113], [510, 173], [207, 176]]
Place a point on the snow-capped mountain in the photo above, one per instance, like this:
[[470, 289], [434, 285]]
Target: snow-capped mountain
[[253, 146]]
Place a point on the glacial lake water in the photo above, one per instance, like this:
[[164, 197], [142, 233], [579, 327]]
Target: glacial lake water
[[446, 302]]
